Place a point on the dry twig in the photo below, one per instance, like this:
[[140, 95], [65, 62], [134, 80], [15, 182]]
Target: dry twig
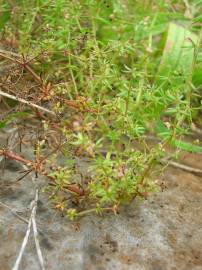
[[181, 166], [26, 102], [14, 213], [32, 223], [17, 59], [38, 249]]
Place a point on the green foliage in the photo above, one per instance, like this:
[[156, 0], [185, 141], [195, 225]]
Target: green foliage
[[12, 116], [133, 68], [4, 15], [167, 134], [177, 59]]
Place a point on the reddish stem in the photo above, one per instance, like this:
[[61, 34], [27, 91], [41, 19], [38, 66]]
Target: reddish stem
[[10, 155]]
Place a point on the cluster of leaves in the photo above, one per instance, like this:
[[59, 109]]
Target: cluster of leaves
[[130, 69]]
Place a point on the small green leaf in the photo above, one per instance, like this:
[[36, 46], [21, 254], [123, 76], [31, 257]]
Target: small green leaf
[[11, 117], [2, 124], [4, 17], [197, 75], [189, 147], [164, 133]]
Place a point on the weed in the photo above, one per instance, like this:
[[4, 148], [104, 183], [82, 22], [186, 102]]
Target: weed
[[113, 73]]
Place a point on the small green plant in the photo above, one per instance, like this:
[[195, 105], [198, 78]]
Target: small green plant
[[113, 73]]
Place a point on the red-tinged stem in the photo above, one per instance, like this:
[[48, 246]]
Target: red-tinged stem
[[10, 155]]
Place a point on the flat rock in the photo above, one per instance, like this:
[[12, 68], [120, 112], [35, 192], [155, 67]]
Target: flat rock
[[161, 233]]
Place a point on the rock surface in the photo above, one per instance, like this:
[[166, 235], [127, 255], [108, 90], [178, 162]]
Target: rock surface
[[161, 233]]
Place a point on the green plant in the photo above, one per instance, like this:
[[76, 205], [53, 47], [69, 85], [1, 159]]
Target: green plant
[[113, 72]]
